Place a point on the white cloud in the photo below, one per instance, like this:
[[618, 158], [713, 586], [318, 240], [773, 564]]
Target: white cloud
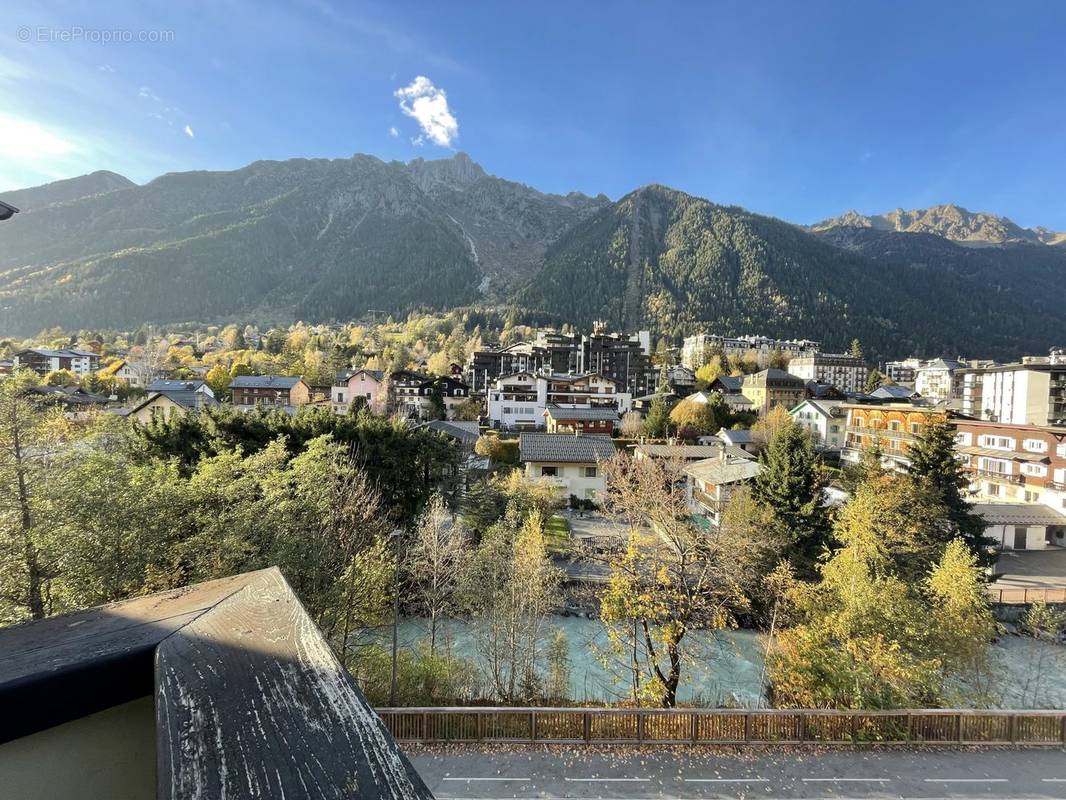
[[428, 105], [189, 133], [106, 68], [393, 132], [146, 93]]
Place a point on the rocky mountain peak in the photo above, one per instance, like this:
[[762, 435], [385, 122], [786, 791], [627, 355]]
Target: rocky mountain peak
[[456, 172]]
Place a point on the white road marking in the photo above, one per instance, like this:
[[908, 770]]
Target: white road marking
[[965, 780], [1053, 780], [607, 780], [838, 780], [726, 780], [486, 779]]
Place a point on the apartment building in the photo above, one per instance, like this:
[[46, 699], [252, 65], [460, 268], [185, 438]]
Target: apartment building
[[902, 371], [1018, 463], [624, 358], [42, 360], [519, 402], [893, 427], [1032, 392], [939, 380], [773, 387], [694, 349], [847, 373]]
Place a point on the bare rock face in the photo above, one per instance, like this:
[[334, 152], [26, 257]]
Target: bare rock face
[[950, 221]]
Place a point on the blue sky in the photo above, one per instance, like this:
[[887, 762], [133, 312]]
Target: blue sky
[[797, 109]]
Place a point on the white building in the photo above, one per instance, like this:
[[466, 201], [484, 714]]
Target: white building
[[571, 462], [902, 371], [845, 372], [825, 420], [518, 402], [694, 349], [42, 361], [1019, 394], [939, 380]]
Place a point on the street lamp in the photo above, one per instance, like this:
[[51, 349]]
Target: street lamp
[[395, 535]]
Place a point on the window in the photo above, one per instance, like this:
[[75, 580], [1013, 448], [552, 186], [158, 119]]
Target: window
[[549, 472], [962, 438], [1035, 445], [1060, 451], [916, 428], [996, 442], [893, 425], [1032, 497], [992, 489], [590, 472], [1039, 470]]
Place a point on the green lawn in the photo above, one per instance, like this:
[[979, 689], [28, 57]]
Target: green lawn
[[557, 534]]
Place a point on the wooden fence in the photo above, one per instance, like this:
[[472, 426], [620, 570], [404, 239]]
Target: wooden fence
[[1020, 595], [729, 727]]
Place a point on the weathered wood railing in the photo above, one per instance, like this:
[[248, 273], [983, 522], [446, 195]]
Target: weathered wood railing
[[1022, 595], [721, 726]]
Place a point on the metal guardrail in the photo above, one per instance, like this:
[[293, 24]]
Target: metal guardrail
[[726, 727]]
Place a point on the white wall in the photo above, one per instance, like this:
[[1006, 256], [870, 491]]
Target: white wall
[[109, 755]]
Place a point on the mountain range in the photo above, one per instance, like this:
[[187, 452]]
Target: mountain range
[[322, 240]]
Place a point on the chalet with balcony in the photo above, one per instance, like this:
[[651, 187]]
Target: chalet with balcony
[[711, 482], [277, 391], [560, 419], [893, 427]]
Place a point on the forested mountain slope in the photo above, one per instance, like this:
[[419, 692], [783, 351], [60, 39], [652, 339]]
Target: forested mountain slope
[[661, 258]]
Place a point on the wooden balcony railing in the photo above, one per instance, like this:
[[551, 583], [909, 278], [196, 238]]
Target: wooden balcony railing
[[953, 727]]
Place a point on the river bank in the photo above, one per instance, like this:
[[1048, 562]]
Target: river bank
[[725, 668]]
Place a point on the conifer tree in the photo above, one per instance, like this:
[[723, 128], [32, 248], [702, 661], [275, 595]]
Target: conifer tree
[[935, 464], [791, 486]]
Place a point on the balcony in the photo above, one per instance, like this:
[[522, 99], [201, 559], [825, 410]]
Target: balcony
[[1017, 480]]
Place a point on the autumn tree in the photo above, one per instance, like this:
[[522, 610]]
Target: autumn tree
[[435, 562], [511, 589], [695, 417], [670, 578], [30, 439], [632, 425]]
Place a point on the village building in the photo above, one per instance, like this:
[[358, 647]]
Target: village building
[[572, 462], [711, 482], [773, 387], [270, 391]]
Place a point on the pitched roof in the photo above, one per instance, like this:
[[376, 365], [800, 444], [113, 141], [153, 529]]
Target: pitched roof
[[175, 386], [1019, 514], [590, 413], [742, 436], [193, 401], [462, 431], [265, 382], [690, 452], [890, 391], [720, 471], [778, 376], [240, 675], [729, 383], [344, 377], [564, 447]]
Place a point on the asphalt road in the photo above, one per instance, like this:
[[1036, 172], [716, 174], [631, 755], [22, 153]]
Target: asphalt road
[[461, 773]]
